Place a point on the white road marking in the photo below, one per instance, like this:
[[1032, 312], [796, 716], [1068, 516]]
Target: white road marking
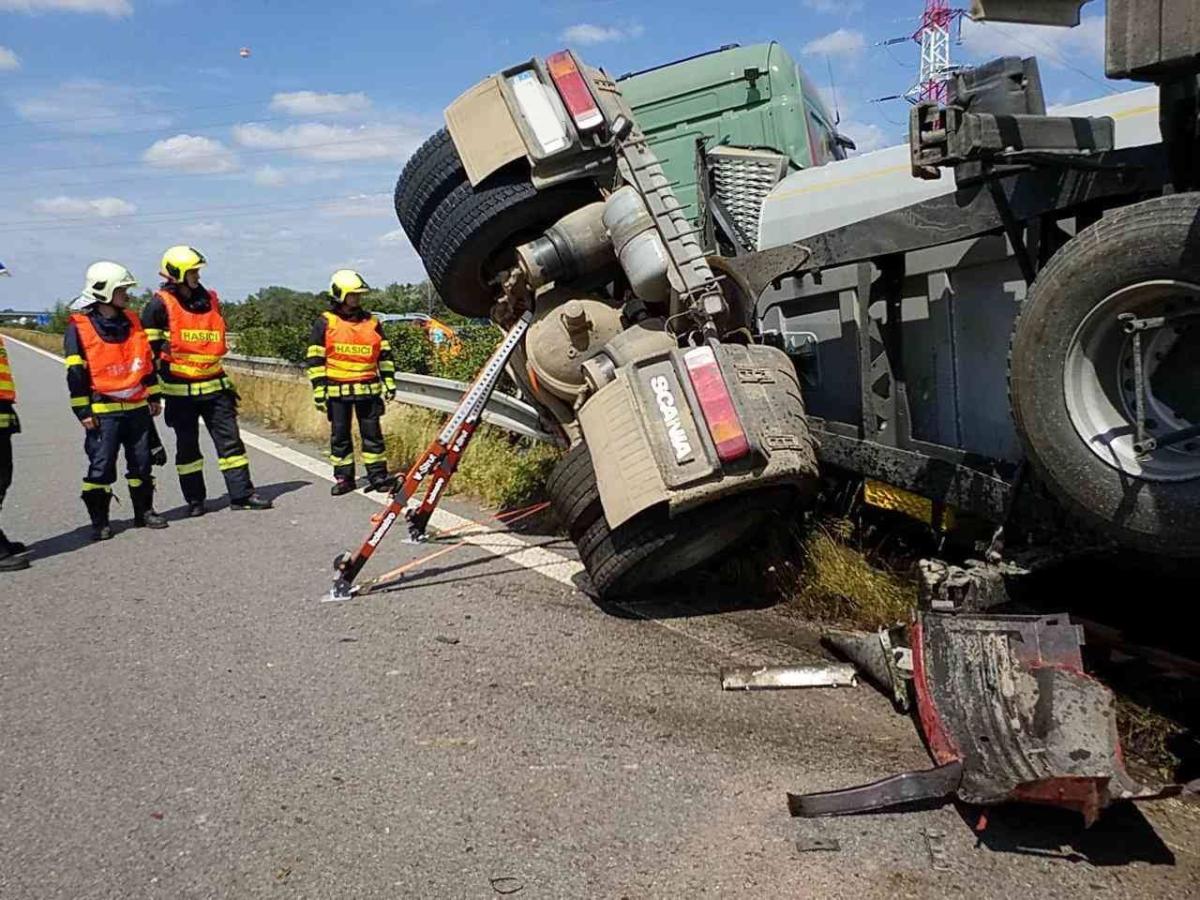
[[46, 353], [717, 633]]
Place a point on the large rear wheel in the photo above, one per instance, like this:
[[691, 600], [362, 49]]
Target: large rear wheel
[[470, 238], [574, 494], [652, 549], [1111, 328], [430, 175]]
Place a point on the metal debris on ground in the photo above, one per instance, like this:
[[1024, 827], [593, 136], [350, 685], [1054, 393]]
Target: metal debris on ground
[[766, 678], [935, 843], [884, 657], [506, 885], [1009, 715], [898, 790], [817, 844]]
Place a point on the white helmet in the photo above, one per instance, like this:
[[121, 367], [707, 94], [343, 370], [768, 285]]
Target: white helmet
[[101, 282]]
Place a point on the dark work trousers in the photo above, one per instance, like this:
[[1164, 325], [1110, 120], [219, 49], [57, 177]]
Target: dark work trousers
[[5, 463], [341, 442], [219, 412], [129, 430]]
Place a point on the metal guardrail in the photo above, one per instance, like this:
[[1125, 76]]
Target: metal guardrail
[[427, 391]]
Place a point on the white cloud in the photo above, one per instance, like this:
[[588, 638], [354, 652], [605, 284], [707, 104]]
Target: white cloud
[[310, 103], [396, 236], [866, 136], [269, 176], [78, 207], [193, 154], [331, 143], [843, 42], [8, 60], [1056, 47], [359, 206], [845, 7], [115, 8], [87, 106], [585, 34], [206, 230]]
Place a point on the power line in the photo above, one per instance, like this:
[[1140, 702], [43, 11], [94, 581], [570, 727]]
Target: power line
[[258, 101], [163, 176], [200, 156], [1046, 49], [68, 138], [224, 211]]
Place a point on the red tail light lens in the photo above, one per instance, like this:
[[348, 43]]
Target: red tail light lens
[[573, 88], [716, 404]]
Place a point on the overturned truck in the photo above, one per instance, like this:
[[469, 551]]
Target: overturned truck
[[1011, 351]]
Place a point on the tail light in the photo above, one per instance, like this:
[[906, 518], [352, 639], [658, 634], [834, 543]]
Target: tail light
[[574, 90], [716, 404]]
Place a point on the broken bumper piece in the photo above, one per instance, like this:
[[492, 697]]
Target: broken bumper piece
[[1009, 715]]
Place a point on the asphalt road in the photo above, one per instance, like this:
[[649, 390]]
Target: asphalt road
[[181, 717]]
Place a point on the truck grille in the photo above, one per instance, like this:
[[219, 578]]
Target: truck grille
[[742, 179]]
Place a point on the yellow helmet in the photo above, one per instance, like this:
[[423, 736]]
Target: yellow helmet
[[347, 281], [180, 260]]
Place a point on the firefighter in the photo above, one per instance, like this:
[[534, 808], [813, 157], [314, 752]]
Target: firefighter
[[187, 334], [352, 371], [12, 553], [115, 394]]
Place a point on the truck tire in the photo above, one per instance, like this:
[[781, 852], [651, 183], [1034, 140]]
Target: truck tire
[[471, 234], [574, 495], [428, 177], [651, 549], [1072, 375]]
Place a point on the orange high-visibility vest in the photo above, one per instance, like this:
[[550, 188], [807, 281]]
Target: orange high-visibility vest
[[351, 349], [116, 370], [195, 342], [8, 389]]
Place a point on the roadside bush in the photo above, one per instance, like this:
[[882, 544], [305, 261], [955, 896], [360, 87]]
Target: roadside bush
[[502, 471], [288, 342], [410, 348]]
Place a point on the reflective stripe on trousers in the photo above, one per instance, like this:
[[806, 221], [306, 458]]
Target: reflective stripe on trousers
[[219, 414]]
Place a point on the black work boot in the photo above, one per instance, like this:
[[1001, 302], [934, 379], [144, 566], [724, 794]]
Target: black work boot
[[252, 502], [196, 509], [144, 515], [97, 503], [11, 562], [11, 555], [342, 486], [379, 481], [13, 548]]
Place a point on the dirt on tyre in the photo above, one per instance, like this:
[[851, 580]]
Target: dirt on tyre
[[652, 549], [431, 173], [574, 494], [470, 237], [1073, 375]]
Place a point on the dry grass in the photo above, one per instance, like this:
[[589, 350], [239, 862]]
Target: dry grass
[[51, 342], [822, 575], [499, 470]]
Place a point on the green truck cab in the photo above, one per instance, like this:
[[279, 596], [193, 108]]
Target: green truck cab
[[755, 98]]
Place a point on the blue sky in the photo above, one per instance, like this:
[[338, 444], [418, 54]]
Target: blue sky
[[130, 125]]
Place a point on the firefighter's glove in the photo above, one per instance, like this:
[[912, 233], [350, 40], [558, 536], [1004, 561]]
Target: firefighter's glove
[[158, 456], [321, 407], [389, 394]]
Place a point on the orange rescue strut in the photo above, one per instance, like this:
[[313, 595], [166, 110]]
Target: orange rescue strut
[[436, 465]]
